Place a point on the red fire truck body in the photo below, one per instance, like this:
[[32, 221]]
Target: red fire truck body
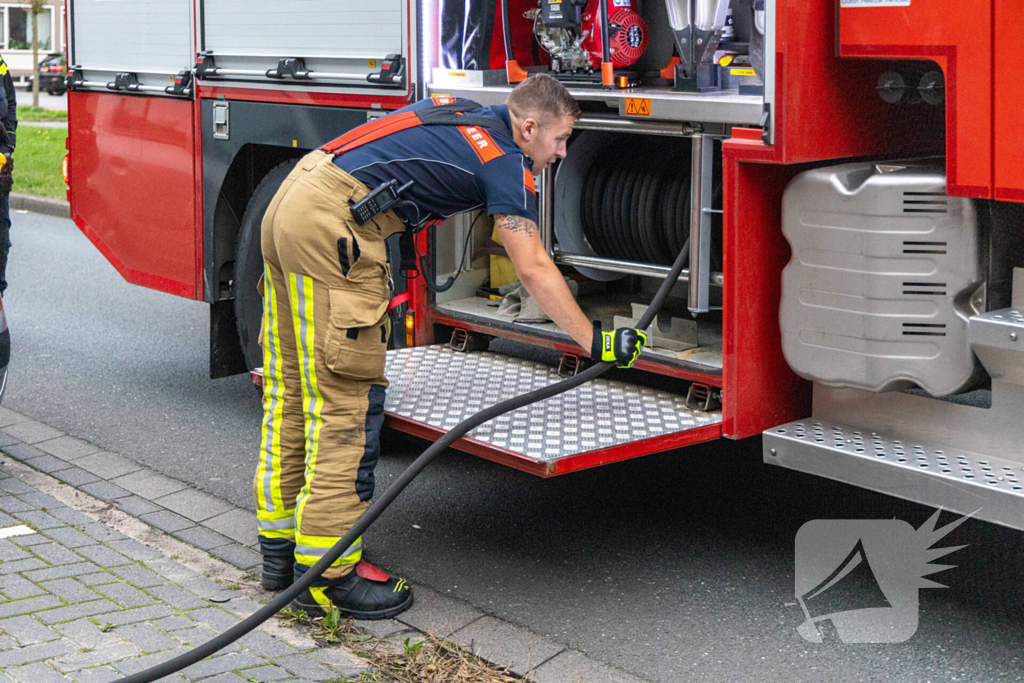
[[791, 146]]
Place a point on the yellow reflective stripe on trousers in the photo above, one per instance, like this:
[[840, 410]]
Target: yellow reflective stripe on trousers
[[309, 550], [276, 524], [268, 475], [312, 400]]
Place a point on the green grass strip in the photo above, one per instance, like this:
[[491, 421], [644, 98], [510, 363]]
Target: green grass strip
[[30, 113], [39, 161]]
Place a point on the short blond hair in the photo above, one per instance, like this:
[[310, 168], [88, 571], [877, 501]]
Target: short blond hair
[[542, 97]]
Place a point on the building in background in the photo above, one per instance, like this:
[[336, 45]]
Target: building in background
[[16, 35]]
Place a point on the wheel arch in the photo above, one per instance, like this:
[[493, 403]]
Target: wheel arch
[[261, 136]]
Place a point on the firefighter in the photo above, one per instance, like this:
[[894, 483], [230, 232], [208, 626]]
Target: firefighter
[[327, 286], [9, 122]]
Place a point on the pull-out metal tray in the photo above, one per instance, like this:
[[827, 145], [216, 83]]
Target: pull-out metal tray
[[433, 388]]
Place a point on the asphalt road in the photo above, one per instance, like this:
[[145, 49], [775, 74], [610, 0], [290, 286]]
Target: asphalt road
[[674, 567]]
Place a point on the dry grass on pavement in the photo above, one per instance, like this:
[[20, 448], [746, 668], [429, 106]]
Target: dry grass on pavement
[[421, 660]]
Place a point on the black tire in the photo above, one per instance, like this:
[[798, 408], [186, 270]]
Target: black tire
[[249, 264]]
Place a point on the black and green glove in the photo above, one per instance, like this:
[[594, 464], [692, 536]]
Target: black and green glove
[[621, 346]]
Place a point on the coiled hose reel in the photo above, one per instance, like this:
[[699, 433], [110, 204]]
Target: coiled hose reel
[[627, 198]]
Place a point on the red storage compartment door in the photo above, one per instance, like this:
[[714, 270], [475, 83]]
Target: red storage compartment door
[[131, 138], [338, 49], [133, 186], [957, 35], [1009, 96]]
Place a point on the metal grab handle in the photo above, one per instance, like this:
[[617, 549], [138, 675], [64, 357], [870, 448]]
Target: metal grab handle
[[312, 75], [112, 87], [294, 68], [626, 267], [91, 84], [218, 71], [608, 123], [128, 82], [136, 88]]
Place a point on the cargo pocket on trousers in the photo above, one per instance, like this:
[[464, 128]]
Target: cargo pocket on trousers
[[356, 344]]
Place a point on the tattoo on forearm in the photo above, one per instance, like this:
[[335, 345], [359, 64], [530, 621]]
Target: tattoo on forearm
[[518, 224]]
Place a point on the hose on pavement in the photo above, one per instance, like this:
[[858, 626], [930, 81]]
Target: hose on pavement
[[381, 504]]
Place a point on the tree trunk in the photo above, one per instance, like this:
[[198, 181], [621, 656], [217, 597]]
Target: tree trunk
[[35, 57]]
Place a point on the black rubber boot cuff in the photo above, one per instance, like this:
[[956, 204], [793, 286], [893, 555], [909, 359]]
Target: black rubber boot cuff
[[278, 560]]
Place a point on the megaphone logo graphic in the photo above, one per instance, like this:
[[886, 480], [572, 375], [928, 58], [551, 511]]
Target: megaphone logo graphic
[[863, 576]]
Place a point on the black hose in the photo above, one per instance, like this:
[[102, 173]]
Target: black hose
[[430, 278], [381, 504], [606, 33], [634, 211], [636, 206], [506, 29]]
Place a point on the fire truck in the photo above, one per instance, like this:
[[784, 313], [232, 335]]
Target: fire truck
[[845, 175]]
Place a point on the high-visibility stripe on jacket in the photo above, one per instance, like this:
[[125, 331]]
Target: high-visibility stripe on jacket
[[445, 112]]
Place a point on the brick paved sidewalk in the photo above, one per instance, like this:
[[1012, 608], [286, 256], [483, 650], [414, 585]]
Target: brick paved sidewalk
[[80, 601], [203, 528], [199, 519]]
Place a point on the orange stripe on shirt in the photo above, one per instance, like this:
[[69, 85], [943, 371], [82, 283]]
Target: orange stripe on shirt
[[374, 130], [528, 179], [482, 143]]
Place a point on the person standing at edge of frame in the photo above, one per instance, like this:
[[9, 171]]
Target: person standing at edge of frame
[[9, 120]]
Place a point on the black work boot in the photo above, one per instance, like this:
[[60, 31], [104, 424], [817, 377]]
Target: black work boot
[[366, 593], [278, 563]]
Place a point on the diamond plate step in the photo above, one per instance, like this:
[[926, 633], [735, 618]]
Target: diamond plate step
[[997, 337], [436, 387], [932, 474]]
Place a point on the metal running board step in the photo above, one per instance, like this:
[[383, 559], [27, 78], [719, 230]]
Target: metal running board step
[[932, 474], [433, 388]]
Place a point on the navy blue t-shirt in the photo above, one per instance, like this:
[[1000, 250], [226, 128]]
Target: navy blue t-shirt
[[455, 168]]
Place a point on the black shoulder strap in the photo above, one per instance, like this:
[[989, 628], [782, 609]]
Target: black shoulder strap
[[453, 114]]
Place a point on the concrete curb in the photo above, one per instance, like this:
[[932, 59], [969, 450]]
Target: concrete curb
[[45, 205], [44, 124]]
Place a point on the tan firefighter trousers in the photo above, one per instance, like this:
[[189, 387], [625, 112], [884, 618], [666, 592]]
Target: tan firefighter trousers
[[325, 330]]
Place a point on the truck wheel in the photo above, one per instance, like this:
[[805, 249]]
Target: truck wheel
[[249, 264]]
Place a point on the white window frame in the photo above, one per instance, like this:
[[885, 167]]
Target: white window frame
[[56, 30]]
